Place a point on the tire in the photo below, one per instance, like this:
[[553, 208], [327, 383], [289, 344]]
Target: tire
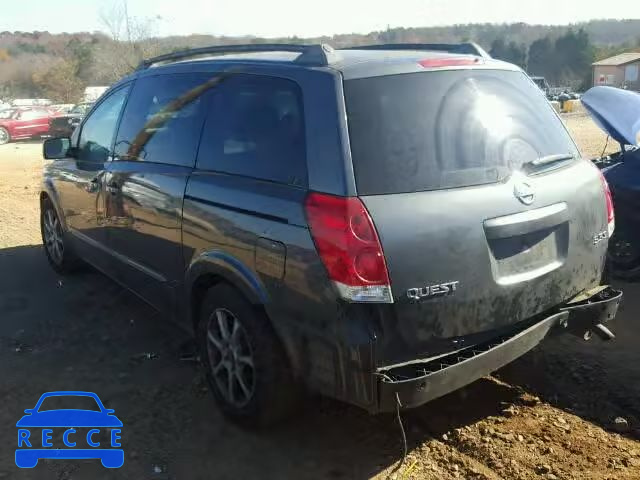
[[262, 389], [623, 257], [4, 136], [59, 254]]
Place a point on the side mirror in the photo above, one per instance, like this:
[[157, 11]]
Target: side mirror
[[29, 411], [109, 411], [56, 148]]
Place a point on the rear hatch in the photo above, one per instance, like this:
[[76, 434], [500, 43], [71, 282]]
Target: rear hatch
[[477, 233]]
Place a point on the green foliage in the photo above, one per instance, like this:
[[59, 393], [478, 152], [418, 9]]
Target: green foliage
[[539, 60], [511, 52], [565, 61], [23, 47], [81, 53], [602, 52]]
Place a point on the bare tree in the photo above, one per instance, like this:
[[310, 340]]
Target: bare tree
[[132, 39]]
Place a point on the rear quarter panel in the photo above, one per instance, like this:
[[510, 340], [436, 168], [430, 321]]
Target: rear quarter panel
[[224, 218]]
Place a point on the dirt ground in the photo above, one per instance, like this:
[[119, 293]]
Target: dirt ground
[[550, 415]]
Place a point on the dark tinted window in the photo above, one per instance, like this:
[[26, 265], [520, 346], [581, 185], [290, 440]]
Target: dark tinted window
[[98, 130], [163, 119], [447, 129], [255, 128]]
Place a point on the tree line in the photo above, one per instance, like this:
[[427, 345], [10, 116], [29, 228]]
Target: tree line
[[564, 61], [60, 66]]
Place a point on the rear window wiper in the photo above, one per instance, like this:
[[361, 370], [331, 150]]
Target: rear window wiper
[[548, 160]]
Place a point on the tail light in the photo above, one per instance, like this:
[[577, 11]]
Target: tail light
[[349, 247], [439, 62], [611, 218]]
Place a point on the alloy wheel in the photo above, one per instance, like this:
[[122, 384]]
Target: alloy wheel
[[53, 236], [230, 358]]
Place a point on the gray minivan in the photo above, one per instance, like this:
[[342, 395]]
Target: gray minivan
[[382, 225]]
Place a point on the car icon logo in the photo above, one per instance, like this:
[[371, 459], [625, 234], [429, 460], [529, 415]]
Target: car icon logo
[[82, 437], [524, 192]]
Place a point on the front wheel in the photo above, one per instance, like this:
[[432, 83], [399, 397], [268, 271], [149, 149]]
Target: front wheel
[[4, 136], [245, 364], [59, 255]]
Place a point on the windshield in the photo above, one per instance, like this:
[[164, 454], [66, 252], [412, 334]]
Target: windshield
[[4, 114], [66, 402], [447, 129]]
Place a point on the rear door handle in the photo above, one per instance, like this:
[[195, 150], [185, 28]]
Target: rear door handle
[[526, 222]]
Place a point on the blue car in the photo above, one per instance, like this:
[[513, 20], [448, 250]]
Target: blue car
[[617, 112], [28, 453]]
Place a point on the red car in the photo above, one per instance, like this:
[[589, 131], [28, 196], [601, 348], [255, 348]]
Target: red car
[[19, 123]]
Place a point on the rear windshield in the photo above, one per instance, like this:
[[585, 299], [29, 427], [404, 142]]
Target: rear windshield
[[447, 129]]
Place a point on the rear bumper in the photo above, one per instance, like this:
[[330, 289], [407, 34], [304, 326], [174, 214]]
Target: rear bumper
[[415, 383]]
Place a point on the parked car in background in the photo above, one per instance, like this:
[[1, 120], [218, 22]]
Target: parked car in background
[[92, 94], [63, 125], [542, 84], [617, 112], [21, 123], [61, 107], [383, 224], [31, 102]]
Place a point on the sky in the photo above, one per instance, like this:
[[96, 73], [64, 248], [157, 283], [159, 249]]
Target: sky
[[272, 18]]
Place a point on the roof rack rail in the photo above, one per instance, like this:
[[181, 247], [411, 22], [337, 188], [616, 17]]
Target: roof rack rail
[[315, 54], [468, 48]]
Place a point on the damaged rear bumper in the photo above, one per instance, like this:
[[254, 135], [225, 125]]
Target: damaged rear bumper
[[415, 383], [592, 311]]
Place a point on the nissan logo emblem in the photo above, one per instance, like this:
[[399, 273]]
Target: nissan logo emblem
[[524, 192]]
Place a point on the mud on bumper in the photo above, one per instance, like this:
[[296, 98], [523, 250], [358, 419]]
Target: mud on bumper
[[415, 383]]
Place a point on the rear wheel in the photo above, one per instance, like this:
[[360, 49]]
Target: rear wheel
[[59, 254], [4, 136], [246, 367]]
